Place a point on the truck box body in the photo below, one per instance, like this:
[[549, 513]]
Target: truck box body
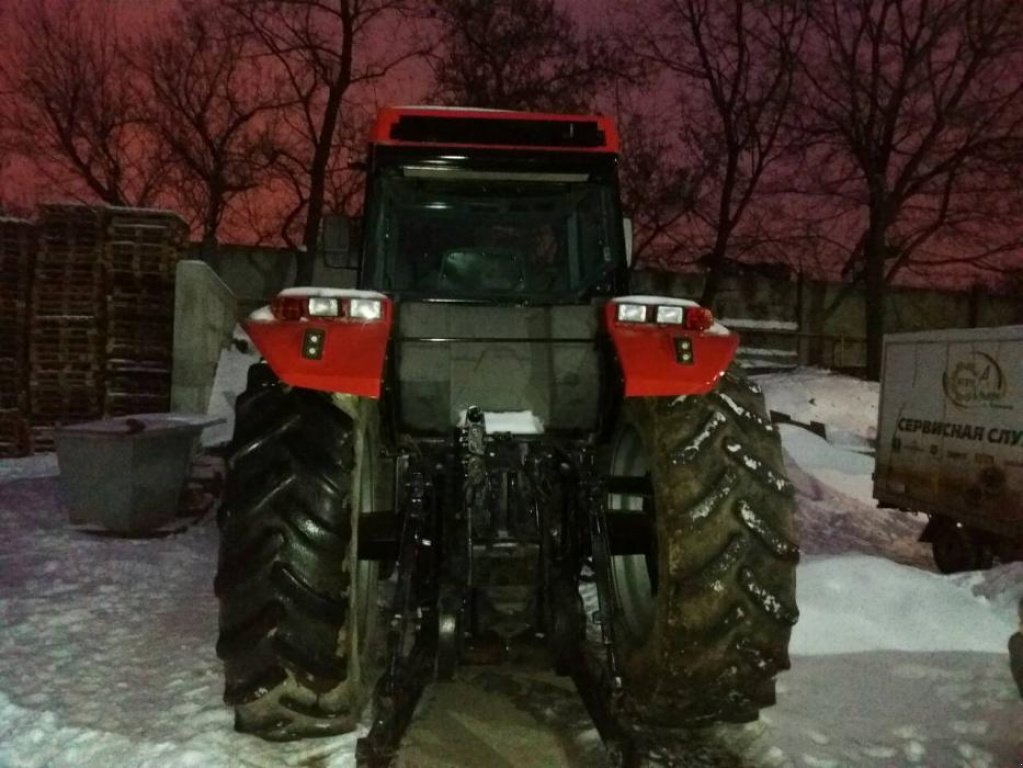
[[950, 427]]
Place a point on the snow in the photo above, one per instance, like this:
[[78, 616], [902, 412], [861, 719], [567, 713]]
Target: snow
[[262, 315], [106, 644], [847, 406], [750, 324], [229, 381], [106, 648], [688, 452], [515, 422], [768, 352], [927, 612], [667, 301], [332, 293], [843, 470], [119, 426], [43, 465]]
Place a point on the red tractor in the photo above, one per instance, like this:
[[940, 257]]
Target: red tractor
[[486, 429]]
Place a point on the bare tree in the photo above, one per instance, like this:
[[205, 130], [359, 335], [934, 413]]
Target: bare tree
[[911, 109], [6, 204], [517, 54], [659, 190], [71, 105], [213, 109], [323, 50], [730, 67]]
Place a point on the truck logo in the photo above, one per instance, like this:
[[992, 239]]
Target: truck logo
[[975, 381]]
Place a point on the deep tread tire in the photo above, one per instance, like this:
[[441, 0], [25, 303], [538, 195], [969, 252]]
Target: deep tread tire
[[284, 566], [724, 606]]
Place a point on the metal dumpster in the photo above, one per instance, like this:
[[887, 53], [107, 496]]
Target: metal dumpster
[[126, 474]]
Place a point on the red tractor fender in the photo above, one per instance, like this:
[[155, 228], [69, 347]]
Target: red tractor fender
[[342, 352], [668, 347]]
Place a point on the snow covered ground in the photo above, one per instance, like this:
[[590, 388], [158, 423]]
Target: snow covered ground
[[106, 645]]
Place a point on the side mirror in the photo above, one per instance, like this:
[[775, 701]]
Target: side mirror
[[627, 233], [340, 242]]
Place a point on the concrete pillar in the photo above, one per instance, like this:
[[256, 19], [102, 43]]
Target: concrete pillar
[[205, 313]]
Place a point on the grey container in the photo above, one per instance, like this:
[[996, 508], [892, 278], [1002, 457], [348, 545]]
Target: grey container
[[126, 475]]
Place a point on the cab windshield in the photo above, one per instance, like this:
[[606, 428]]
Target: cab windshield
[[465, 234]]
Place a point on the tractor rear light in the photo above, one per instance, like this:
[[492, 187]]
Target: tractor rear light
[[365, 309], [668, 313], [288, 307], [698, 318], [631, 313], [294, 306], [323, 306]]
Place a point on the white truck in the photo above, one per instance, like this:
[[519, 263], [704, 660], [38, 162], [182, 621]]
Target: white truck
[[950, 441]]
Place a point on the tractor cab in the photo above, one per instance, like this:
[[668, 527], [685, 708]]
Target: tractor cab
[[525, 212], [498, 236]]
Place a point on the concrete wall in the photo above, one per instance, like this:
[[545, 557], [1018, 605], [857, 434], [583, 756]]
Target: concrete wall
[[205, 314], [832, 318], [254, 274], [826, 320]]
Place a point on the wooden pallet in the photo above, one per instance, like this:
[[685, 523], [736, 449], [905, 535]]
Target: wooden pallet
[[14, 437], [126, 404], [101, 330], [17, 255], [12, 384]]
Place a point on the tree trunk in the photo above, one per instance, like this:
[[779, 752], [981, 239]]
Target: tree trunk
[[306, 260], [719, 252], [324, 146], [712, 281], [874, 281]]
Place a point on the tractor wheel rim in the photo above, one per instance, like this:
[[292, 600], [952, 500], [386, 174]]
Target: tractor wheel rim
[[633, 590], [365, 572]]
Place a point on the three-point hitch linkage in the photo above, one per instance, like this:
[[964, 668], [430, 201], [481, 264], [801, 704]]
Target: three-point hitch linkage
[[496, 534]]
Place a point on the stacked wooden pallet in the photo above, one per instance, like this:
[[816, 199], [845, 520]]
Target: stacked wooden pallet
[[94, 291], [142, 251], [17, 249], [66, 321]]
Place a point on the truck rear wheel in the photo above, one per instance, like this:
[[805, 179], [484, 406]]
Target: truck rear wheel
[[705, 617], [957, 548], [294, 612]]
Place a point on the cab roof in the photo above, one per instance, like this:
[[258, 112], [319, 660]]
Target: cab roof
[[456, 127]]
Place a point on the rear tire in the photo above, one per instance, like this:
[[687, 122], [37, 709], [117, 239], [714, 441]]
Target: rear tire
[[705, 619], [291, 603], [956, 548]]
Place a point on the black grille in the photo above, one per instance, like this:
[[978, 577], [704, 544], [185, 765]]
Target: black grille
[[498, 132]]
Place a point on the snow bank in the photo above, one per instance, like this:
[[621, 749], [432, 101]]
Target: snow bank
[[843, 403], [1002, 585], [43, 465], [229, 382], [858, 603], [848, 472]]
